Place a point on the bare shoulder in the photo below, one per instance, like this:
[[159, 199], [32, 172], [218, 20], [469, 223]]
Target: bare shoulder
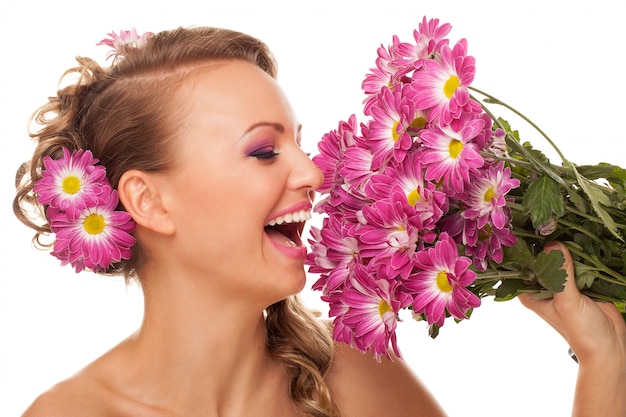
[[361, 386], [69, 398], [87, 394]]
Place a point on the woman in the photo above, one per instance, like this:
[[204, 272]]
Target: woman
[[202, 147]]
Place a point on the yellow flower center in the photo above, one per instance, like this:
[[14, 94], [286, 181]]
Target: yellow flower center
[[94, 224], [455, 147], [418, 122], [71, 184], [489, 195], [451, 85], [484, 233], [442, 282], [394, 132], [383, 308], [413, 197]]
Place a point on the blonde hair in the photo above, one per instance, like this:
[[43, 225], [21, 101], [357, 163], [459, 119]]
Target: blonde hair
[[123, 115]]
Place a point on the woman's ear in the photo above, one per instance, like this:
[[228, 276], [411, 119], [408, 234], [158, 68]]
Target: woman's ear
[[139, 193]]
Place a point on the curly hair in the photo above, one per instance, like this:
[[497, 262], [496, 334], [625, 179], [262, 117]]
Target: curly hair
[[120, 113]]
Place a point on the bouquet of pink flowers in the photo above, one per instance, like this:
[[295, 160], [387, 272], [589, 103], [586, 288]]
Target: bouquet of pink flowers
[[433, 203]]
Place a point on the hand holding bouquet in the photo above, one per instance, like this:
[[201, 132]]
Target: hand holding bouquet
[[433, 202]]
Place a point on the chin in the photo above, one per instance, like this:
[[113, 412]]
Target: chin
[[291, 284]]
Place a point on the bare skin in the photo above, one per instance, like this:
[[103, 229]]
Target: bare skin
[[97, 391]]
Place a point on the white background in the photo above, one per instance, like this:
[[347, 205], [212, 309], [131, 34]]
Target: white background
[[562, 65]]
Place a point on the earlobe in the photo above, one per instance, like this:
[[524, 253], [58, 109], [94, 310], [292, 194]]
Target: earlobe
[[140, 197]]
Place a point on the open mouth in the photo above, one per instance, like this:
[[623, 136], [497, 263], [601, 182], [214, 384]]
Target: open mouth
[[287, 230]]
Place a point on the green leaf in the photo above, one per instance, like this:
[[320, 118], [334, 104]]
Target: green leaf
[[519, 254], [543, 295], [585, 275], [610, 289], [579, 202], [509, 289], [543, 200], [597, 199], [618, 173], [594, 172], [548, 268]]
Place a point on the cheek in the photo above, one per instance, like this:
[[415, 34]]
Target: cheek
[[233, 197]]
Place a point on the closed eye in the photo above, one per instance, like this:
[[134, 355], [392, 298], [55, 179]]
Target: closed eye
[[264, 154]]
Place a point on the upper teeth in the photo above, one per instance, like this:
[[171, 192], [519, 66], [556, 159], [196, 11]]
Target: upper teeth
[[295, 217]]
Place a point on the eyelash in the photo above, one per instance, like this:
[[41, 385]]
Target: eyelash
[[264, 154]]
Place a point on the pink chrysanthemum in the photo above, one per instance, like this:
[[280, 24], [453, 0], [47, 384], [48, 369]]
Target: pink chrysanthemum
[[429, 39], [334, 251], [389, 133], [489, 242], [126, 39], [486, 195], [98, 237], [372, 312], [442, 86], [449, 155], [427, 201], [440, 286], [356, 168], [389, 236], [497, 146], [458, 227], [337, 308], [332, 147], [70, 183], [388, 73]]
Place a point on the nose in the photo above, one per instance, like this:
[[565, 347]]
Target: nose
[[305, 174]]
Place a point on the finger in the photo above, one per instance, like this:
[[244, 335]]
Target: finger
[[568, 266], [613, 314], [546, 308]]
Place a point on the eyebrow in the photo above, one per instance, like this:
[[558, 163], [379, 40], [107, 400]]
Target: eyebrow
[[276, 126]]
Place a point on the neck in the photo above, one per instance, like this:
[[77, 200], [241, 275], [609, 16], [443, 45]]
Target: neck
[[196, 348]]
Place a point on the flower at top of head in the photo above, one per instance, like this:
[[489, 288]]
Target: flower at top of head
[[124, 41], [81, 211]]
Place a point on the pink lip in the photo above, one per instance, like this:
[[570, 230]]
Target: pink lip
[[295, 253], [304, 205]]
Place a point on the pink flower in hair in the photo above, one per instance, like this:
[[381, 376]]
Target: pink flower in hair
[[70, 183], [90, 232], [125, 40], [99, 237]]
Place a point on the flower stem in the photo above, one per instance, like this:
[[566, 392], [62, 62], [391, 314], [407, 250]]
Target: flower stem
[[538, 165], [602, 297], [589, 217], [495, 275], [492, 99], [616, 278], [580, 229]]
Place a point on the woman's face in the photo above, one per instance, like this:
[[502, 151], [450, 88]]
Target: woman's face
[[240, 169]]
